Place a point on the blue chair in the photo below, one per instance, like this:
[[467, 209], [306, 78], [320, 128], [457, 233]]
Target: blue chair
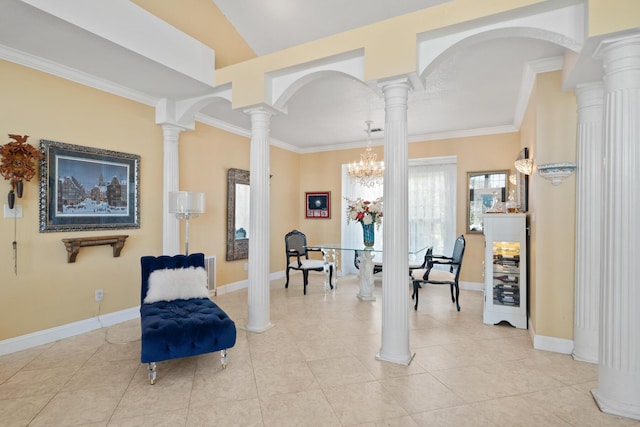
[[178, 319]]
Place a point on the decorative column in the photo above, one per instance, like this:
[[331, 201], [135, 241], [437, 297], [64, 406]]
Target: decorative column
[[618, 389], [588, 222], [258, 297], [395, 275], [171, 182]]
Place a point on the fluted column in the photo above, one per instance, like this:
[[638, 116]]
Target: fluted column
[[588, 222], [171, 182], [258, 318], [618, 389], [395, 289]]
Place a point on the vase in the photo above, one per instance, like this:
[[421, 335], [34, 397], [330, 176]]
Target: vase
[[368, 234]]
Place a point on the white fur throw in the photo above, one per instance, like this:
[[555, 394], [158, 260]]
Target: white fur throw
[[179, 283]]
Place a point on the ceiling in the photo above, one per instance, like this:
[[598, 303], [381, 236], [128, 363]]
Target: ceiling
[[477, 89]]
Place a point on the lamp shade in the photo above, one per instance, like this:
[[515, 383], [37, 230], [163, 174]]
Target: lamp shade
[[186, 202]]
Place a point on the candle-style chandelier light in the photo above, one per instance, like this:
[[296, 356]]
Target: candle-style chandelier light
[[368, 171]]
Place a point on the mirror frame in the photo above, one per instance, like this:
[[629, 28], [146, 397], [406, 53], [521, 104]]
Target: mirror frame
[[471, 195], [236, 248]]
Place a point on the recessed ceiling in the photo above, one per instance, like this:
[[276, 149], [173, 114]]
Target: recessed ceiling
[[272, 25]]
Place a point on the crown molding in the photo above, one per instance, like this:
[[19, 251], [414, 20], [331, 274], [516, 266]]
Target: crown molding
[[74, 75]]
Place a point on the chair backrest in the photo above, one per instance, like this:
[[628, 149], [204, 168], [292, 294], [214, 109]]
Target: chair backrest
[[427, 257], [296, 241], [458, 253], [149, 264]]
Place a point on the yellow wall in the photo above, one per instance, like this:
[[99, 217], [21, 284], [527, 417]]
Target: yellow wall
[[48, 291], [549, 130], [555, 210], [609, 16]]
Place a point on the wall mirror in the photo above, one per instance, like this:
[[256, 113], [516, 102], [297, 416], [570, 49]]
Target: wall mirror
[[238, 231], [483, 186], [522, 184]]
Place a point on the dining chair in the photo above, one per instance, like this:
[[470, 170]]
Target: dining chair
[[436, 276], [296, 248]]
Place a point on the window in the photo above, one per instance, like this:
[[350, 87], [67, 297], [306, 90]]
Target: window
[[432, 208], [432, 204]]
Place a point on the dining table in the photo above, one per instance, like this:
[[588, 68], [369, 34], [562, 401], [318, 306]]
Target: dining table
[[366, 254]]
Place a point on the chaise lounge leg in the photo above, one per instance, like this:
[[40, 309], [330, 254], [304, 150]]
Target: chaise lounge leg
[[151, 370], [223, 358]]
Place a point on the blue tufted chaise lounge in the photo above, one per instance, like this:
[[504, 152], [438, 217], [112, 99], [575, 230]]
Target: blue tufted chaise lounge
[[184, 326]]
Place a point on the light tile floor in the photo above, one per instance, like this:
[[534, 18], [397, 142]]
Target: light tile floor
[[314, 367]]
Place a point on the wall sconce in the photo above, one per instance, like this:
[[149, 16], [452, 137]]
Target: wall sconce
[[186, 205], [524, 166], [556, 172]]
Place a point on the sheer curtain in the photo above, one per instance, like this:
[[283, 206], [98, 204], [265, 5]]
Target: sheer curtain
[[432, 204], [432, 209]]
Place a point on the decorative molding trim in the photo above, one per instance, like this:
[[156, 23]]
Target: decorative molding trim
[[532, 68], [74, 75]]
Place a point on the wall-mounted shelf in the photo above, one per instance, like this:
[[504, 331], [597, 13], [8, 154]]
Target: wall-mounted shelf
[[73, 245]]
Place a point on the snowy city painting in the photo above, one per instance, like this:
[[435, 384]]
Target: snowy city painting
[[81, 188], [88, 188]]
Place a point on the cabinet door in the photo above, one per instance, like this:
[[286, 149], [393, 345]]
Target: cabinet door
[[506, 273]]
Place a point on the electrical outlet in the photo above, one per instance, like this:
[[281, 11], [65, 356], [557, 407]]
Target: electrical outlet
[[99, 295], [246, 266]]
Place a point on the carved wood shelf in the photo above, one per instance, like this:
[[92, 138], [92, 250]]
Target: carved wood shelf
[[73, 245]]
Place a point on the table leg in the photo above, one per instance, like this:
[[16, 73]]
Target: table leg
[[366, 276], [329, 257]]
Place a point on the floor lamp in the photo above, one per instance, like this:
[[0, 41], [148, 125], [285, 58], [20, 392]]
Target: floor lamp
[[186, 205]]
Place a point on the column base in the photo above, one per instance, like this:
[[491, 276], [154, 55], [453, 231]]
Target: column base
[[399, 361], [257, 329], [366, 297], [615, 408]]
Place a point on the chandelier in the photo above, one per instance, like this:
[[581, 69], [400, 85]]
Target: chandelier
[[368, 171]]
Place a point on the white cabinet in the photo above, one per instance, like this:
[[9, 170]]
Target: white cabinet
[[505, 269]]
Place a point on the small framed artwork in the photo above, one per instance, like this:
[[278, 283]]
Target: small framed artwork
[[84, 188], [318, 204]]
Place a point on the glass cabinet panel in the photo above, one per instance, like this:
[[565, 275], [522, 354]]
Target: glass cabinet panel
[[506, 273]]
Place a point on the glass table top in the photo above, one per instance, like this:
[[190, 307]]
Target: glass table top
[[360, 247]]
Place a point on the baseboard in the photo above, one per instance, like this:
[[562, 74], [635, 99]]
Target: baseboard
[[556, 345], [47, 336], [243, 284], [471, 286]]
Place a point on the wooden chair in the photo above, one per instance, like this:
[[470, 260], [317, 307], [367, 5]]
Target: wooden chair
[[296, 247], [441, 277]]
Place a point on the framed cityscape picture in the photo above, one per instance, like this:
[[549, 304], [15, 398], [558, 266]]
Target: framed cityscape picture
[[318, 204], [85, 188]]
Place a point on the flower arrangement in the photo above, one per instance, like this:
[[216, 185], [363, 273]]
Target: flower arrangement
[[365, 211]]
